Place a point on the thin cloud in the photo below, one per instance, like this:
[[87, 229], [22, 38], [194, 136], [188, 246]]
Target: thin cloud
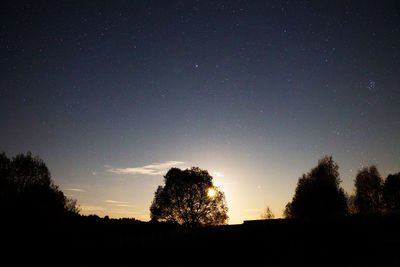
[[115, 201], [151, 169], [218, 174], [125, 205], [75, 189], [88, 208]]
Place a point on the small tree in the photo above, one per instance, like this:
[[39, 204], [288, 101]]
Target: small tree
[[391, 192], [318, 193], [189, 198], [368, 185], [267, 214]]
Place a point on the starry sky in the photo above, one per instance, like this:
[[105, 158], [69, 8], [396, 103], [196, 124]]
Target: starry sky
[[111, 94]]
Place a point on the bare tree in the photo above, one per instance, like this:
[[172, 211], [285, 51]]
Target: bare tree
[[267, 214]]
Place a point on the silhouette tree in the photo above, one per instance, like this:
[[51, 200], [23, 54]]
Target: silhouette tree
[[368, 185], [318, 193], [267, 214], [189, 198], [391, 192], [28, 190]]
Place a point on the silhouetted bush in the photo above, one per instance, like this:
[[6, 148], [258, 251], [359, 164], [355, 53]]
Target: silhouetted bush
[[185, 199], [318, 193], [368, 185]]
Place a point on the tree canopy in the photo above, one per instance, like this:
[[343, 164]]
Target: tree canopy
[[391, 192], [189, 198], [368, 186], [318, 193], [28, 190]]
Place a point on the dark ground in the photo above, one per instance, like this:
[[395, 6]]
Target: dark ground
[[93, 241]]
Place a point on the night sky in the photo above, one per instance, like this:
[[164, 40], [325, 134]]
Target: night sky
[[111, 94]]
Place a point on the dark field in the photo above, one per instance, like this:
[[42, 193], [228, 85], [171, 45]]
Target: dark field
[[93, 241]]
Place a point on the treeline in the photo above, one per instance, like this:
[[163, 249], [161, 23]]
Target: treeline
[[29, 197], [319, 194], [28, 191]]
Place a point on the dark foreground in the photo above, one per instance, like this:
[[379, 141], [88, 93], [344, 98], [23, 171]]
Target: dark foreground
[[92, 241]]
